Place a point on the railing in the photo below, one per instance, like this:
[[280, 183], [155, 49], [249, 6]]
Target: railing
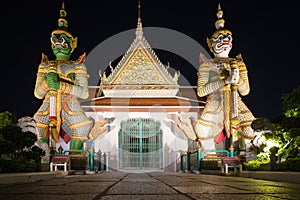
[[102, 161], [191, 161]]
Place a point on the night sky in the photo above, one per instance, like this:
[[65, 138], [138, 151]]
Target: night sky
[[263, 31]]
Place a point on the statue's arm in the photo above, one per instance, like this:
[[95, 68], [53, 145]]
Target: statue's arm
[[80, 86], [41, 88], [243, 84], [206, 86]]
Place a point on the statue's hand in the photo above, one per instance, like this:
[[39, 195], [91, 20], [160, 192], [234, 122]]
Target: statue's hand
[[224, 74], [233, 77], [52, 80]]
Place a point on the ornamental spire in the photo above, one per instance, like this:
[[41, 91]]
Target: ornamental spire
[[62, 21], [139, 11], [220, 21], [139, 31]]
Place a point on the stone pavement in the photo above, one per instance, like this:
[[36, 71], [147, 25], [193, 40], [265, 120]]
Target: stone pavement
[[149, 185]]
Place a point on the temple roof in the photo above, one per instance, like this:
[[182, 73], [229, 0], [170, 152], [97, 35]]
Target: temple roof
[[174, 104], [187, 101], [140, 70]]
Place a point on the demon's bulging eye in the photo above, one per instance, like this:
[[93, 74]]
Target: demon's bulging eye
[[56, 37], [220, 38], [64, 38]]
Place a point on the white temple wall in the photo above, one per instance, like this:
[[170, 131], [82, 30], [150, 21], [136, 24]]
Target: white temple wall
[[174, 141]]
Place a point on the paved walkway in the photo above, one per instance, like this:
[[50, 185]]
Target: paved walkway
[[151, 185]]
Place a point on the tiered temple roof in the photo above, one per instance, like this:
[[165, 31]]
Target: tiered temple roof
[[140, 82]]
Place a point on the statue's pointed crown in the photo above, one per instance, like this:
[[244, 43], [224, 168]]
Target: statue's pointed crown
[[62, 22], [219, 24], [220, 21], [63, 26]]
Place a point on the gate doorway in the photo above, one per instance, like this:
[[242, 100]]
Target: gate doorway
[[140, 145]]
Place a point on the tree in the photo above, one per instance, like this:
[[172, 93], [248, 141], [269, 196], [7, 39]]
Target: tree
[[17, 150], [291, 122], [7, 118], [291, 103], [283, 137], [262, 124], [287, 130]]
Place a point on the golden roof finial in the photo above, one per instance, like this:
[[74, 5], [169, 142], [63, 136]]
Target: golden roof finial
[[139, 14], [139, 10], [63, 5], [139, 31]]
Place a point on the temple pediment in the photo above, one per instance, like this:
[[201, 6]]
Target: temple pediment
[[141, 69], [140, 73]]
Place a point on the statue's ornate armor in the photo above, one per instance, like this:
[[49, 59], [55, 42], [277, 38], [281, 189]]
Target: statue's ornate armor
[[212, 84], [73, 83], [222, 80]]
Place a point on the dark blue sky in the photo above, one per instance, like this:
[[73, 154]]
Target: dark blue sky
[[264, 32]]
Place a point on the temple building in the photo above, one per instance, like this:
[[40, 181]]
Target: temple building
[[138, 115], [140, 102]]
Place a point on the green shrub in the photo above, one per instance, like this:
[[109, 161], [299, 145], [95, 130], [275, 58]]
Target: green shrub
[[18, 165], [252, 165], [263, 158], [293, 164]]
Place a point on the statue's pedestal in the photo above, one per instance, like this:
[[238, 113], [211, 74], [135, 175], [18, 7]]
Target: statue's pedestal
[[45, 167]]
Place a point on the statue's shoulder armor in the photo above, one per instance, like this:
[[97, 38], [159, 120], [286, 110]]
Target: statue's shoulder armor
[[45, 60], [43, 66], [239, 58], [240, 62], [81, 59], [46, 63], [202, 58], [79, 64], [65, 68]]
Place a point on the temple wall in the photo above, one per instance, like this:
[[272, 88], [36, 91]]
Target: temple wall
[[174, 141]]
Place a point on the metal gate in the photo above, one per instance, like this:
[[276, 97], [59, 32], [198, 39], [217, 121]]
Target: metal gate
[[140, 144]]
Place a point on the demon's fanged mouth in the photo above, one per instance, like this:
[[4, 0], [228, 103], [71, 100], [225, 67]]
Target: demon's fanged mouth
[[60, 42], [224, 43]]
